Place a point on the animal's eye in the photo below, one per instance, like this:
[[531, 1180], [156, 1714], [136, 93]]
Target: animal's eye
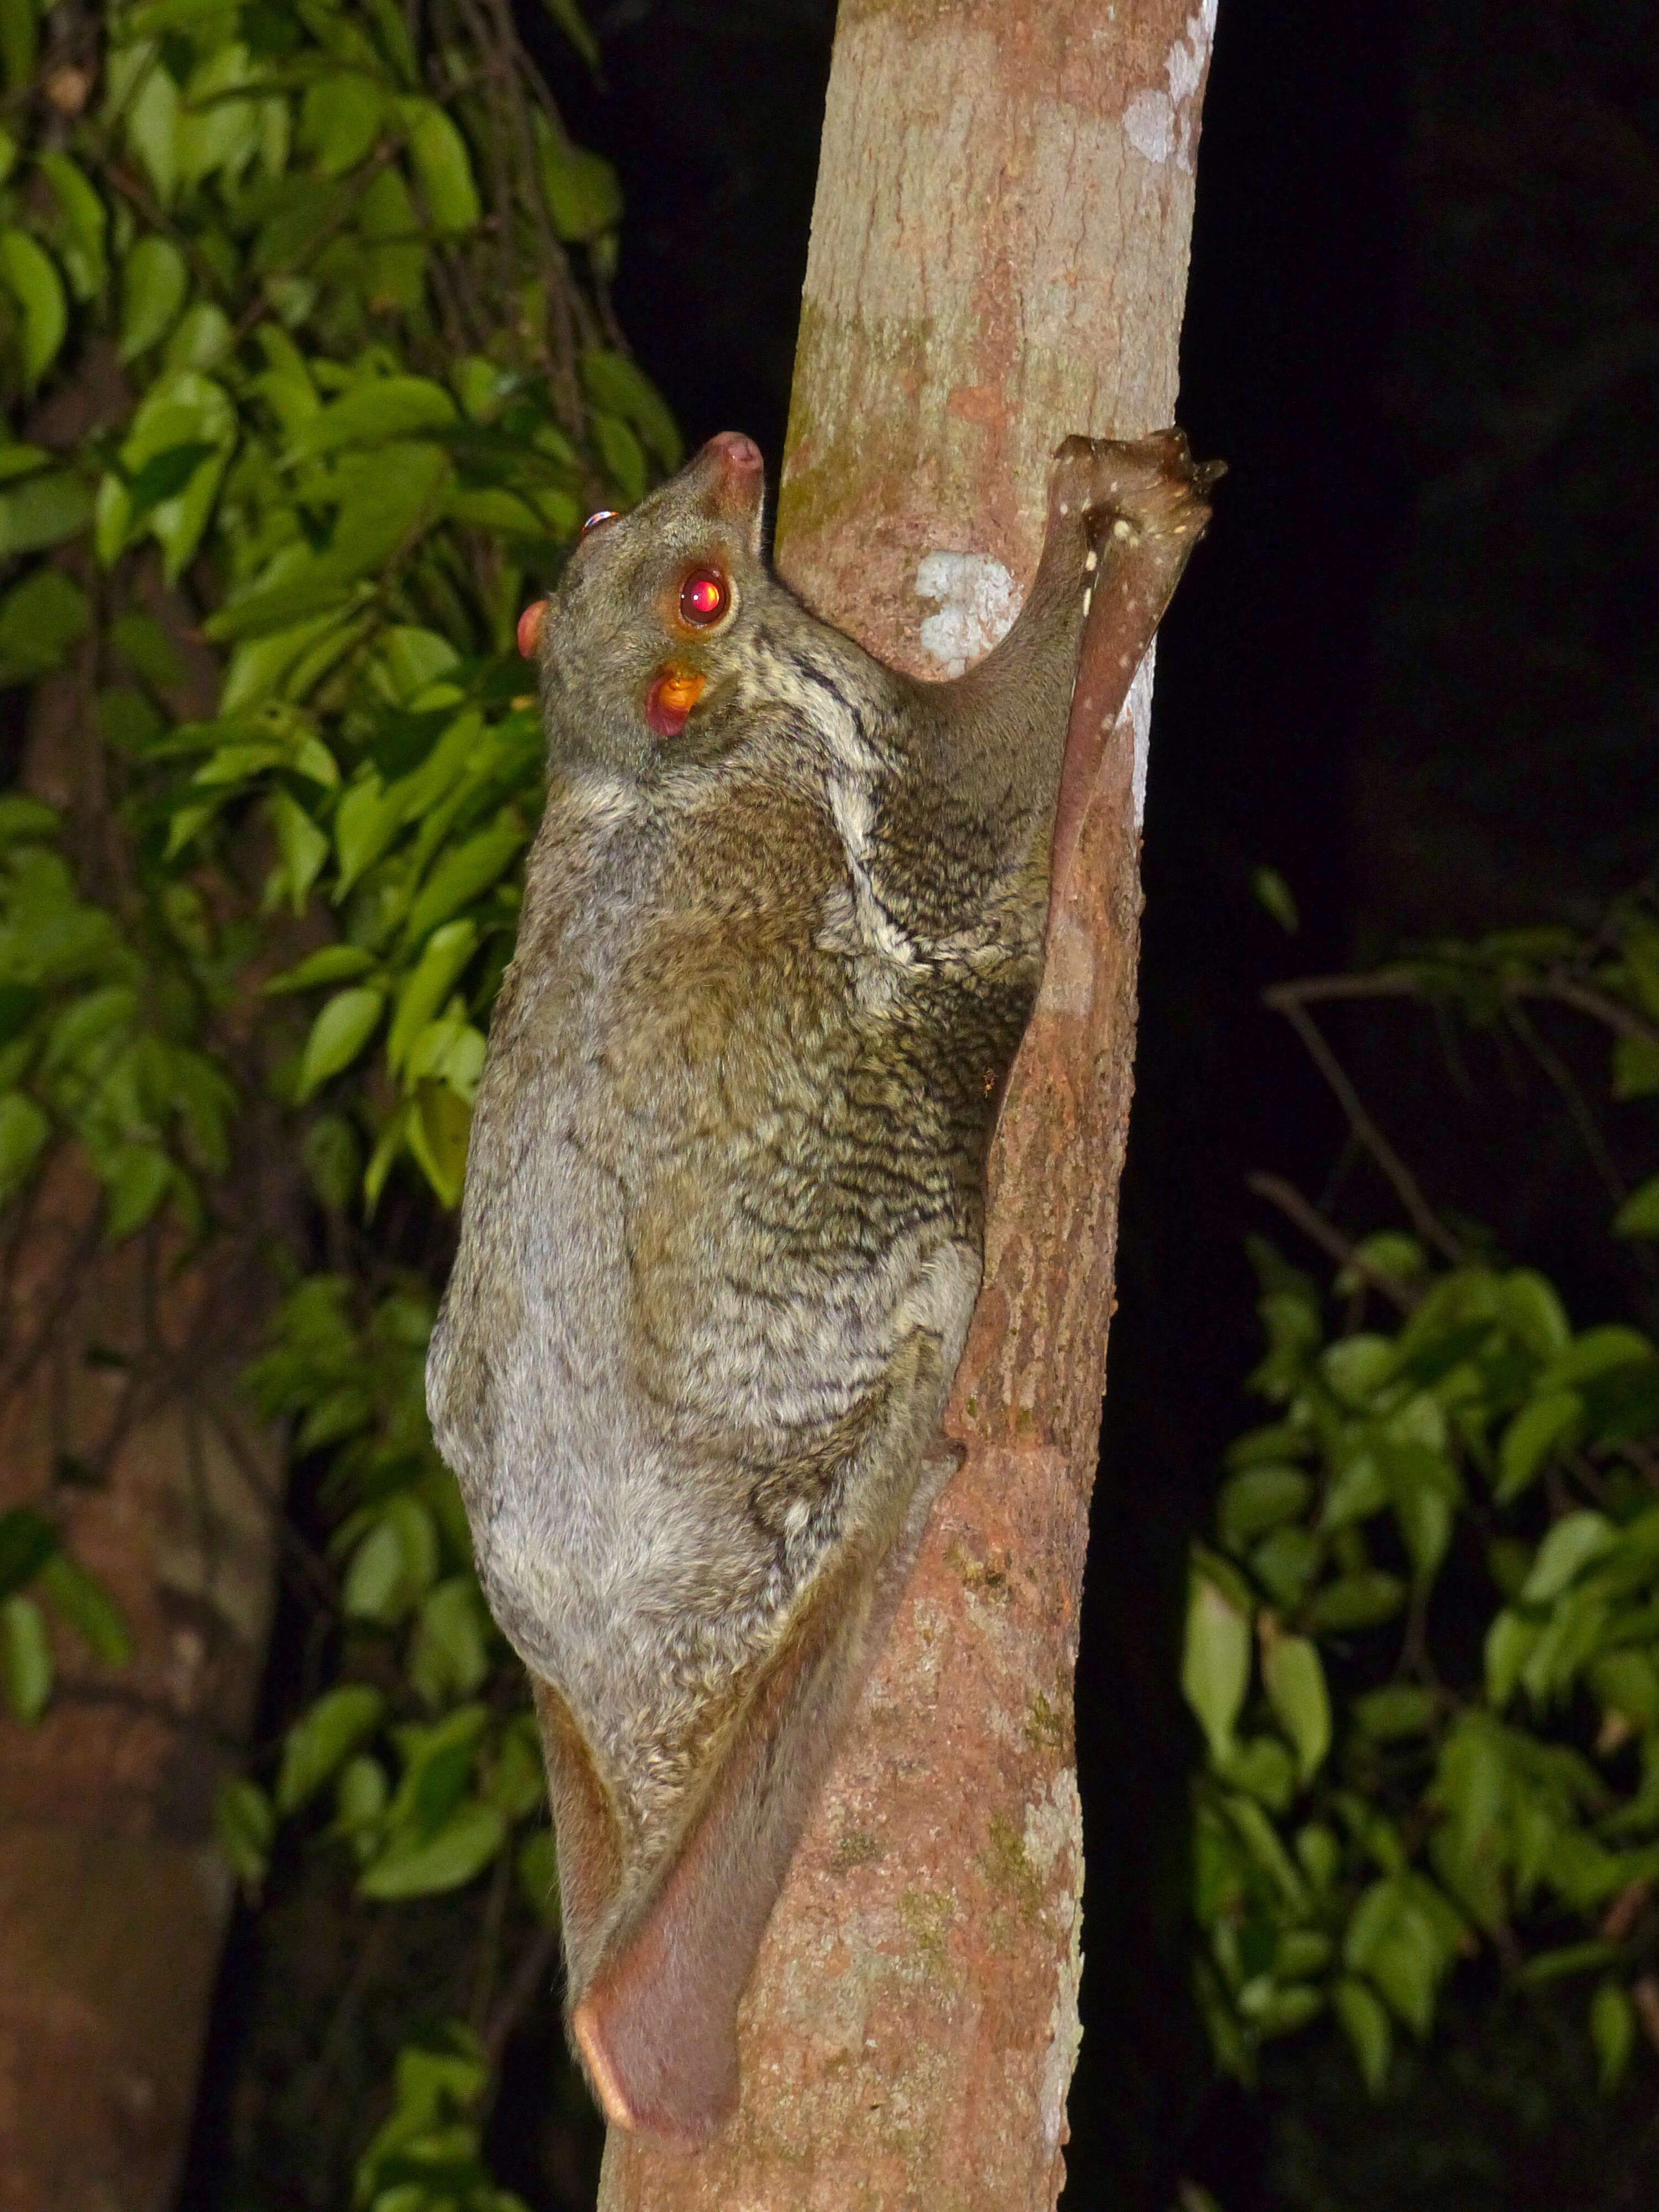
[[604, 514], [704, 597]]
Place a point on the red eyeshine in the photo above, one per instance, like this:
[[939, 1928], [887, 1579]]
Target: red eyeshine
[[704, 597], [603, 514]]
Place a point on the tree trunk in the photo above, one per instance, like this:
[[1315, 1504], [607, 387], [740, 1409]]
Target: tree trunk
[[998, 257], [119, 1403], [113, 1894]]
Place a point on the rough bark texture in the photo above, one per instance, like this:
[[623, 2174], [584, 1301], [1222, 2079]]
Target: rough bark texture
[[998, 257], [113, 1895]]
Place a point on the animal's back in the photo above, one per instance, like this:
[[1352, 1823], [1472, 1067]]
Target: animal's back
[[705, 1201]]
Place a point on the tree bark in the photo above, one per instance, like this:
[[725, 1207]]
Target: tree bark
[[113, 1894], [119, 1405], [998, 257]]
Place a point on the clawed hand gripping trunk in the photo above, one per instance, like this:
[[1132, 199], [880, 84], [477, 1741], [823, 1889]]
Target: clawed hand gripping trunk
[[723, 1223]]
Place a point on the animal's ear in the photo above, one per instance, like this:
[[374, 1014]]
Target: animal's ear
[[657, 2023]]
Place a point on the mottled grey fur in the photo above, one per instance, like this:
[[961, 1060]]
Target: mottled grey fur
[[723, 1221]]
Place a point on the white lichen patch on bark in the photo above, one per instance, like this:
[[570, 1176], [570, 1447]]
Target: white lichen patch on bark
[[1054, 1826], [978, 601], [1163, 124], [1138, 709]]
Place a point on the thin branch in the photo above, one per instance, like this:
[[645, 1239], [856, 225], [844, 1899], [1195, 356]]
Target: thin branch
[[490, 1942], [527, 1984], [1560, 987], [1330, 1240], [1574, 1100], [1283, 999]]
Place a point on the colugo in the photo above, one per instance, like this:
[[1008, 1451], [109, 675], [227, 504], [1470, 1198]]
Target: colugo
[[722, 1235]]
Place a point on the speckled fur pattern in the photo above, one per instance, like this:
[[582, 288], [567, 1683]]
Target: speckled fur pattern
[[723, 1220]]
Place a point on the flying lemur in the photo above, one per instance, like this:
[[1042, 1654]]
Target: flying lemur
[[722, 1230]]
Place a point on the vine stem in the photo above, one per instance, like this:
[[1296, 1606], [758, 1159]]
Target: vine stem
[[1287, 1000]]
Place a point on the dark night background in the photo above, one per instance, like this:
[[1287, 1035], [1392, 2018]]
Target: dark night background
[[1415, 670]]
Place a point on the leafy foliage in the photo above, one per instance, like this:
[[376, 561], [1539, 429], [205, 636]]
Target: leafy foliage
[[1424, 1648], [311, 376]]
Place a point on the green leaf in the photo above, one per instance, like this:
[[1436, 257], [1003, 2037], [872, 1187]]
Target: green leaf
[[28, 1540], [1510, 1642], [1395, 1711], [1401, 1945], [360, 1802], [414, 658], [1635, 1067], [40, 619], [517, 1780], [42, 511], [152, 128], [1597, 1351], [246, 1827], [302, 845], [325, 1735], [333, 1159], [1533, 1310], [568, 14], [1369, 2030], [583, 195], [201, 340], [413, 1866], [20, 42], [1612, 2032], [39, 291], [1285, 1563], [1542, 1426], [614, 382], [1260, 1498], [26, 1657], [1363, 1599], [85, 215], [163, 477], [1567, 1960], [1575, 1541], [155, 282], [21, 817], [1215, 1669], [332, 963], [365, 821], [339, 1033], [1262, 1769], [394, 1565], [622, 455], [185, 409], [1622, 1402], [437, 1133], [462, 875], [1274, 897], [1639, 1214], [538, 1874], [1426, 1492], [448, 1657], [1626, 1682], [89, 1608], [339, 118], [443, 167], [137, 1178], [428, 984], [1294, 1682], [23, 1132], [384, 407]]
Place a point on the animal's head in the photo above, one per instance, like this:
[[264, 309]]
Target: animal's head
[[645, 633]]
